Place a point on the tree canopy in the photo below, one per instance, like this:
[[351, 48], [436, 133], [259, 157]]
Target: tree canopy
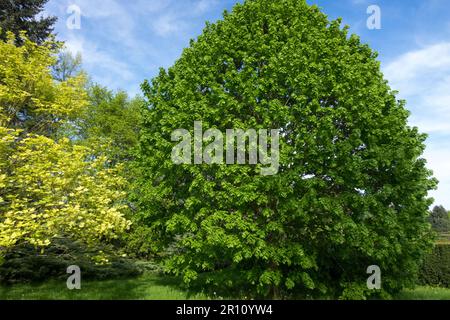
[[352, 185], [20, 15], [111, 123], [67, 66], [30, 100], [439, 219], [49, 187]]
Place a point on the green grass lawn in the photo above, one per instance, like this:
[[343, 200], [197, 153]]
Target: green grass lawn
[[147, 287]]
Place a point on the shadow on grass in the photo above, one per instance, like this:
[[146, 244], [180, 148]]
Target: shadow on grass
[[150, 286]]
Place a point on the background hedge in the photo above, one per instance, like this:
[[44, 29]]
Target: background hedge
[[436, 268]]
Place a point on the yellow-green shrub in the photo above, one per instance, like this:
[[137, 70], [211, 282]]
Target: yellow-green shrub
[[49, 187]]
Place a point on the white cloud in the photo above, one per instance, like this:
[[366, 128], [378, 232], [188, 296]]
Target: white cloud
[[109, 68], [422, 77], [166, 24], [432, 61], [438, 157], [154, 6], [202, 6], [100, 9], [176, 18]]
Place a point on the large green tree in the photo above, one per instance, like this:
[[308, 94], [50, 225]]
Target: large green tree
[[21, 15], [351, 190]]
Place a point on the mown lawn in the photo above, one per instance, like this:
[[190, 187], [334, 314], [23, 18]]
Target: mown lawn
[[148, 287]]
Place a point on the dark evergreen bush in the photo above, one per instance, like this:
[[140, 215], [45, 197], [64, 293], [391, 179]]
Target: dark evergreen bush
[[436, 268], [26, 264]]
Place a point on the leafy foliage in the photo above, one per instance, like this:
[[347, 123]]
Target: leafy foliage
[[30, 100], [49, 187], [26, 264], [20, 15], [110, 123], [67, 66], [352, 186], [436, 268], [136, 242]]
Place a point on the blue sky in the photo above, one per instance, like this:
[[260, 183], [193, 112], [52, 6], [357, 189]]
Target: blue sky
[[124, 42]]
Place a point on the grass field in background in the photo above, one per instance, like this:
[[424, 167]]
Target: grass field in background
[[443, 238], [425, 293], [148, 287]]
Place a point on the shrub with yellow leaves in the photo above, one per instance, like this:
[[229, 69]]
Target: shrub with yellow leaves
[[49, 187], [30, 99]]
